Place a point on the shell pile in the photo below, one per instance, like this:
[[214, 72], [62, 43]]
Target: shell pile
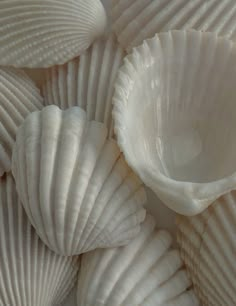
[[150, 103]]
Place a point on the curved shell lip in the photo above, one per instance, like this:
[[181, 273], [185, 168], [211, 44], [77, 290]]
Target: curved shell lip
[[186, 198]]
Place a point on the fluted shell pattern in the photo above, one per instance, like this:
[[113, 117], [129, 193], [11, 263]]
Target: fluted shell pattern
[[208, 248], [30, 274], [75, 185], [18, 97], [136, 20], [184, 149], [43, 33], [146, 272], [87, 81]]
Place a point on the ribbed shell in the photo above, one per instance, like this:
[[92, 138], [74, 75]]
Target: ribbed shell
[[208, 248], [175, 124], [18, 97], [75, 185], [136, 20], [87, 81], [146, 272], [43, 33], [30, 274]]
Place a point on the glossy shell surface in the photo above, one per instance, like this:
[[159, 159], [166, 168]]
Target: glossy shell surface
[[176, 125]]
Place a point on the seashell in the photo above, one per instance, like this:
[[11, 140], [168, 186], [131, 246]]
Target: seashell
[[146, 272], [43, 33], [181, 150], [87, 81], [75, 185], [30, 274], [18, 97], [208, 248], [137, 20]]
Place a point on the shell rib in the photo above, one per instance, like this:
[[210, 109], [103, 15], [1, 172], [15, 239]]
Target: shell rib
[[75, 185], [137, 20], [30, 274], [146, 272], [181, 150], [208, 248], [87, 82], [43, 33], [18, 97]]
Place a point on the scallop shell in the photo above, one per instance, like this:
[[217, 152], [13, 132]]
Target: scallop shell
[[75, 185], [208, 248], [18, 97], [30, 274], [87, 81], [43, 33], [184, 149], [146, 272], [137, 20]]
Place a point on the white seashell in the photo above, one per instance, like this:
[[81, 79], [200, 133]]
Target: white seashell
[[30, 274], [87, 81], [18, 97], [146, 272], [208, 248], [75, 185], [43, 33], [175, 124], [137, 20]]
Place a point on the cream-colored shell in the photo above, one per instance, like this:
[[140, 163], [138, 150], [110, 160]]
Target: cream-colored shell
[[30, 274], [146, 272], [175, 117], [75, 185], [18, 97], [43, 33], [208, 249], [87, 81], [136, 20]]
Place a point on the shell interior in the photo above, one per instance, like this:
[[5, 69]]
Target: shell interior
[[175, 112]]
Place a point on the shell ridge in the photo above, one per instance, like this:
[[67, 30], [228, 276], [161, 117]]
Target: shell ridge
[[178, 283], [19, 97], [126, 264], [89, 231], [40, 167], [102, 135], [103, 78], [149, 244], [12, 243], [183, 16], [87, 20], [6, 139], [108, 105], [73, 181], [5, 273], [13, 92], [83, 75], [153, 277], [104, 235], [96, 52], [105, 204], [80, 137], [76, 127]]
